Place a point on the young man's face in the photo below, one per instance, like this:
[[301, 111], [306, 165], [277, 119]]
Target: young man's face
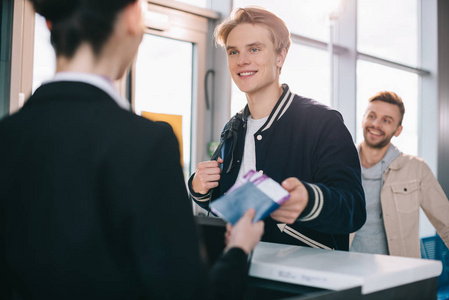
[[252, 60], [380, 123]]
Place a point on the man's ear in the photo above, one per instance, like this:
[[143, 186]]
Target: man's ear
[[281, 58], [133, 17], [49, 24], [398, 131]]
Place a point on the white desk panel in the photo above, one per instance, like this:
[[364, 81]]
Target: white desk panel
[[338, 270]]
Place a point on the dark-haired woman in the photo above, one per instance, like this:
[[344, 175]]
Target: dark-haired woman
[[83, 180]]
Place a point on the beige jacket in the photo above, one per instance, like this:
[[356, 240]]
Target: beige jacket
[[409, 184]]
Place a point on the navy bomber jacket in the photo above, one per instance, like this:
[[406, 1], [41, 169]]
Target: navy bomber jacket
[[305, 139]]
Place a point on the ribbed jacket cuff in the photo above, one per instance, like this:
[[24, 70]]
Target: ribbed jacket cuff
[[315, 203], [197, 196]]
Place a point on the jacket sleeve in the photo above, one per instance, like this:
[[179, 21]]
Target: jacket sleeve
[[336, 197], [435, 203], [229, 275]]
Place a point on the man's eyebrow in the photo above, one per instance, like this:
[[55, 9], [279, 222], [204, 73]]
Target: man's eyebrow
[[386, 116], [254, 44]]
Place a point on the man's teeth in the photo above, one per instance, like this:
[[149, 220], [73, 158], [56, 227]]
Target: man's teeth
[[375, 132], [247, 73]]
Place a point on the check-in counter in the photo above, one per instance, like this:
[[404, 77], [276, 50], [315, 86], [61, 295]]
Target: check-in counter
[[287, 272], [327, 274]]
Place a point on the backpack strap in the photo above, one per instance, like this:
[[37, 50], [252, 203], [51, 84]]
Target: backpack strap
[[230, 132]]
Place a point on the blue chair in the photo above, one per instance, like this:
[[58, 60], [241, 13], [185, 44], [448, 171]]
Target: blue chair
[[434, 248]]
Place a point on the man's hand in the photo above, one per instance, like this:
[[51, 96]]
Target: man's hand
[[244, 234], [206, 176], [290, 210]]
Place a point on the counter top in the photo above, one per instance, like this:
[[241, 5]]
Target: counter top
[[338, 270]]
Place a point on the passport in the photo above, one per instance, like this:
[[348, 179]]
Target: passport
[[254, 190]]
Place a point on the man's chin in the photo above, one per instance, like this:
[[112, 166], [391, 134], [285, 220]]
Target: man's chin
[[378, 145]]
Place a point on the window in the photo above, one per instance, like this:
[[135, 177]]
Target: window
[[389, 60], [389, 29], [393, 37], [307, 72], [372, 78], [303, 17]]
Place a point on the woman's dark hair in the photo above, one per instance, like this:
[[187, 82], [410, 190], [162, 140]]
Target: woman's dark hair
[[76, 21]]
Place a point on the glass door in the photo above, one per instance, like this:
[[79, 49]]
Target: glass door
[[169, 74], [163, 83]]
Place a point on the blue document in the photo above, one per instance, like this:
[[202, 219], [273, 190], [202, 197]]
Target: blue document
[[252, 191]]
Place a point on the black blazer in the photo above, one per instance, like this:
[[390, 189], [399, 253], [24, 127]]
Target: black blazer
[[84, 188]]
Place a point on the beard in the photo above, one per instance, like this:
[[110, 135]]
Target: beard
[[380, 144]]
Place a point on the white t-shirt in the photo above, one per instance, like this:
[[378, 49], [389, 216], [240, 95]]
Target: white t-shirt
[[249, 152]]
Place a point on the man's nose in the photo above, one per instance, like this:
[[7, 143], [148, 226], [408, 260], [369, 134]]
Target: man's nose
[[377, 122], [243, 60]]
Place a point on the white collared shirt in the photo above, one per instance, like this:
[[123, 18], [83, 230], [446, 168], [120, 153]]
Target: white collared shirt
[[98, 81]]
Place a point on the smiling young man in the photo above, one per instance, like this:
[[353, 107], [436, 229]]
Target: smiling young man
[[396, 186], [296, 141]]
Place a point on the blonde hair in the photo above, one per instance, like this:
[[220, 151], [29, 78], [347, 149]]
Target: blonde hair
[[279, 33]]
